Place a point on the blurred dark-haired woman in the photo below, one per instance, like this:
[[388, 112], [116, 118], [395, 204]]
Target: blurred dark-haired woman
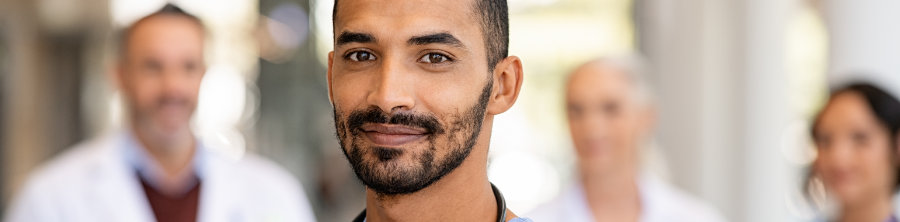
[[856, 136]]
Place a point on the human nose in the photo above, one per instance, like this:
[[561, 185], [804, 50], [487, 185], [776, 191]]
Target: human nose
[[394, 89], [174, 81]]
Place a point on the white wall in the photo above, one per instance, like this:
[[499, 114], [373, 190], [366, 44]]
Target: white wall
[[721, 83], [865, 41]]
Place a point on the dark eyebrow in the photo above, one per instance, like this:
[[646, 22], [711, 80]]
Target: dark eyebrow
[[351, 37], [438, 38]]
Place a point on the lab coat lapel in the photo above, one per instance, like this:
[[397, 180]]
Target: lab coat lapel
[[118, 192], [219, 191], [650, 197]]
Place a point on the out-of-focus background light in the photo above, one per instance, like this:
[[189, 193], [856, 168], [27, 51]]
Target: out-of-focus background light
[[222, 97], [324, 27], [295, 20], [282, 32], [125, 12], [526, 179], [806, 63], [220, 109]]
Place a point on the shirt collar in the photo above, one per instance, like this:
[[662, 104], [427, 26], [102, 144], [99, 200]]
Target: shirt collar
[[150, 170]]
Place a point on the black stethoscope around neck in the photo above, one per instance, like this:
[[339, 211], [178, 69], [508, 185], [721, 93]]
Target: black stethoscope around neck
[[501, 207]]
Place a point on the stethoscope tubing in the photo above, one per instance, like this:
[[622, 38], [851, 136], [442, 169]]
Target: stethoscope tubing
[[501, 207]]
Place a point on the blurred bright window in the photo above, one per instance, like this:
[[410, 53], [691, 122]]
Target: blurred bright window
[[806, 56]]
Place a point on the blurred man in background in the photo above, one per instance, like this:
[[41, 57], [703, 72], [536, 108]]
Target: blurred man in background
[[611, 119], [415, 87], [155, 169]]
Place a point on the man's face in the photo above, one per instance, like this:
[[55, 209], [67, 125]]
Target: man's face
[[161, 72], [606, 119], [409, 84]]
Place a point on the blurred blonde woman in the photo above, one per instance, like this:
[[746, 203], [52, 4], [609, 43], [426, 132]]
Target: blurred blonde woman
[[856, 135]]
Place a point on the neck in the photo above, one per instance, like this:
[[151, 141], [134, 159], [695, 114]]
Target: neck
[[173, 152], [876, 210], [462, 195], [611, 195]]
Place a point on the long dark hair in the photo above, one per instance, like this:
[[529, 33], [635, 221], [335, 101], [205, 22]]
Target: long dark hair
[[886, 109]]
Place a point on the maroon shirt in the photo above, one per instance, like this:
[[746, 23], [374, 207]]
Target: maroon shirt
[[173, 209]]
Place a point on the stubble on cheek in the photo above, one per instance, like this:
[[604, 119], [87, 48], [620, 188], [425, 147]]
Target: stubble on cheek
[[391, 171]]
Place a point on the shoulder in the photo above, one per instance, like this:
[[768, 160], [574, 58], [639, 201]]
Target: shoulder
[[568, 206], [263, 172], [71, 167], [259, 177], [549, 211], [670, 202], [264, 187], [63, 177]]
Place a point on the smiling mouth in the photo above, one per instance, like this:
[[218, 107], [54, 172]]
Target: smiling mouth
[[389, 135]]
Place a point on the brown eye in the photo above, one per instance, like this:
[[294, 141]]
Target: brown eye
[[434, 58], [361, 56]]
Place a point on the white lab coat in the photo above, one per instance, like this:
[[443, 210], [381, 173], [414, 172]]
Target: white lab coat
[[93, 183], [660, 202]]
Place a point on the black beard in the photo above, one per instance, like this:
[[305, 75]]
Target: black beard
[[376, 166]]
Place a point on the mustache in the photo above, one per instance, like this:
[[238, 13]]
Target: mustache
[[172, 101], [374, 115]]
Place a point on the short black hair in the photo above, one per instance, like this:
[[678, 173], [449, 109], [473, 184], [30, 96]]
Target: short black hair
[[168, 10], [494, 19], [885, 106]]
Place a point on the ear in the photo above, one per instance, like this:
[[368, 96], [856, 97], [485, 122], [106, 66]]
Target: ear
[[328, 77], [508, 76]]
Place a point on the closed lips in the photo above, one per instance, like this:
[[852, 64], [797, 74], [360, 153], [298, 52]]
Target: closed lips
[[392, 135]]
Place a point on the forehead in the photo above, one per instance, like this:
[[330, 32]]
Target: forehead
[[848, 105], [165, 31], [408, 18], [846, 111], [597, 79]]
